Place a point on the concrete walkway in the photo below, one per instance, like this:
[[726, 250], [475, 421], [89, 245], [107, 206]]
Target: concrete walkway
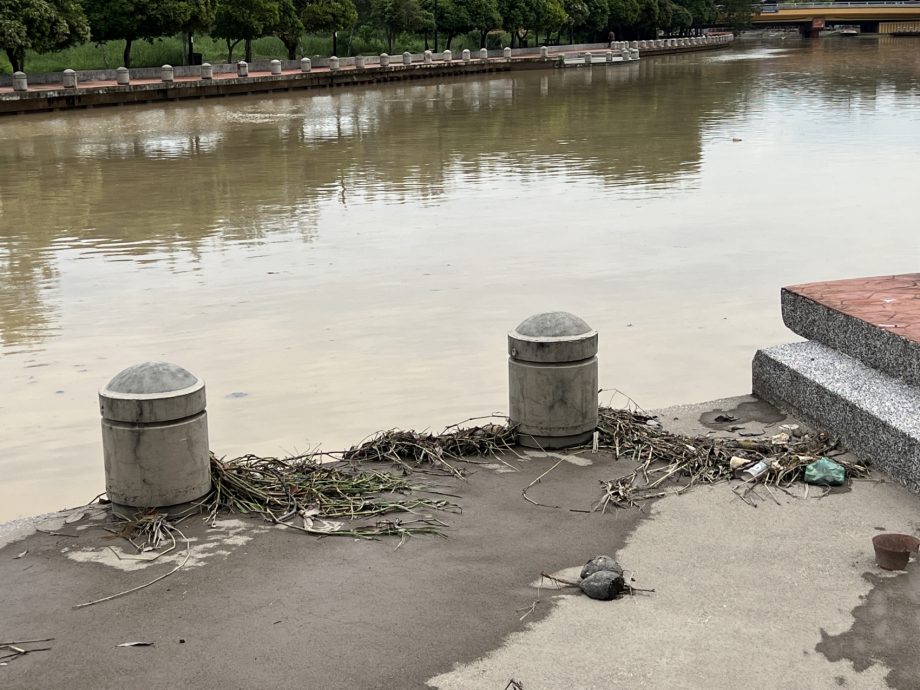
[[778, 596]]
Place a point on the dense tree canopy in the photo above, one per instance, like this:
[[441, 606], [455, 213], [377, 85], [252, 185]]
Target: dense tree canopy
[[330, 16], [398, 16], [45, 25], [244, 20], [40, 25]]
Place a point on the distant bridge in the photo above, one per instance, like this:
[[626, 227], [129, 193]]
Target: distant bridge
[[811, 18]]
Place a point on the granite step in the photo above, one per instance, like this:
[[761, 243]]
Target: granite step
[[875, 320], [877, 416]]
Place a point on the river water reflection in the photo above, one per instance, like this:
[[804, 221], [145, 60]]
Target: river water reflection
[[336, 263]]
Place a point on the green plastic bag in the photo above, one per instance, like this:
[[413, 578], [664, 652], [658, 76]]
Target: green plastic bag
[[824, 472]]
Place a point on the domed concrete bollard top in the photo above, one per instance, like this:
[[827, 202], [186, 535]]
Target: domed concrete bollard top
[[69, 79], [448, 56], [122, 76], [333, 64], [167, 74], [465, 55], [306, 65], [552, 380], [242, 68], [20, 81], [427, 56], [274, 67], [155, 437], [407, 58], [506, 53], [207, 71], [384, 60], [483, 54]]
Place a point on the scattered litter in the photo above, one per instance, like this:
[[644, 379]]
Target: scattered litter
[[780, 439], [793, 430], [20, 555], [136, 644], [752, 471], [599, 563], [825, 472], [737, 463], [669, 463]]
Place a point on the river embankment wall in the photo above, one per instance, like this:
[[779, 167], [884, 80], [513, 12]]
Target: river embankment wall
[[23, 93]]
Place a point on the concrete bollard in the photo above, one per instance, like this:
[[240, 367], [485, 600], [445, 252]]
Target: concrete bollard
[[552, 380], [122, 76], [154, 437], [275, 67], [333, 64], [207, 72], [588, 59], [466, 56], [483, 54], [633, 54], [544, 52], [407, 58], [384, 60], [634, 44], [608, 56], [69, 79], [642, 45], [427, 57], [624, 54], [359, 62], [167, 74], [506, 53], [242, 68], [306, 64], [448, 56], [20, 81]]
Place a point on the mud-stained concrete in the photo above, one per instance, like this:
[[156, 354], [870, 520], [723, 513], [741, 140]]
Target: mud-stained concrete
[[743, 597], [886, 629], [287, 610]]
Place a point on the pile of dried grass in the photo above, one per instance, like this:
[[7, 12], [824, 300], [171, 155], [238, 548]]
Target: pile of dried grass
[[670, 463]]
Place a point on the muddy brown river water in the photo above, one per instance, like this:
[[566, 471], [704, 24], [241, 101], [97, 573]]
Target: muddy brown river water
[[337, 263]]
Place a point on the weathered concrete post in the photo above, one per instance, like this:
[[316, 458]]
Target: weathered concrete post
[[333, 64], [122, 76], [633, 54], [407, 58], [275, 67], [634, 44], [154, 437], [20, 81], [483, 54], [384, 60], [306, 64], [544, 52], [608, 56], [552, 380], [427, 59], [506, 53], [242, 68], [69, 79], [448, 56], [624, 54], [207, 72], [588, 59], [359, 61], [465, 55], [167, 74]]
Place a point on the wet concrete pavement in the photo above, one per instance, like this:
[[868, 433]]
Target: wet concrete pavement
[[778, 596]]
